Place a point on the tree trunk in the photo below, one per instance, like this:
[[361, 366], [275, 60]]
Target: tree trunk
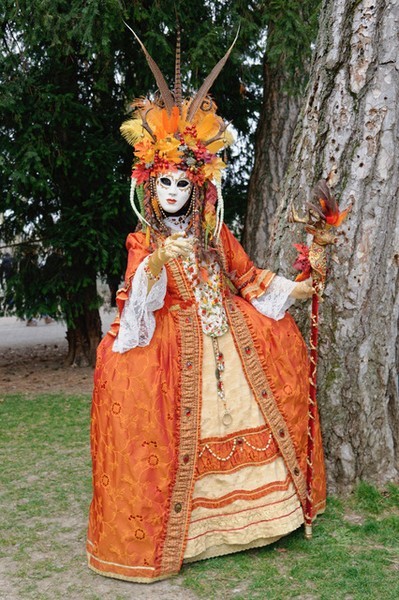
[[350, 120], [273, 137], [85, 333]]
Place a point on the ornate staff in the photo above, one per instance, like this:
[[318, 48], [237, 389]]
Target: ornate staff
[[323, 216]]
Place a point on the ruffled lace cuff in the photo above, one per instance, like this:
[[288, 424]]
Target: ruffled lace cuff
[[137, 324], [276, 300]]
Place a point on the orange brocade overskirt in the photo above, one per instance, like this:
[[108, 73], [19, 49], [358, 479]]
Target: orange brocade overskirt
[[146, 417]]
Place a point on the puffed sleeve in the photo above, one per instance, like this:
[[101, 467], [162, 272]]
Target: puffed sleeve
[[250, 281], [269, 293], [137, 321], [135, 325], [137, 251]]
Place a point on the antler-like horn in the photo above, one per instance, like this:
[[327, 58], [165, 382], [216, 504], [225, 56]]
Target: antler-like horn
[[145, 125], [222, 129], [205, 87], [178, 90], [156, 71]]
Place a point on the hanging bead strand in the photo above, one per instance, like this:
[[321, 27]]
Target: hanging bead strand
[[227, 419]]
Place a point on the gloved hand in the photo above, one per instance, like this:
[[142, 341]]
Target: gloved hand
[[175, 246], [303, 290]]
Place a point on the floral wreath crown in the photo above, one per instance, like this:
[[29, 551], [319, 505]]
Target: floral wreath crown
[[169, 132]]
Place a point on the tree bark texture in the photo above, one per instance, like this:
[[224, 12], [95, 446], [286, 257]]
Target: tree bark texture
[[273, 137], [349, 120]]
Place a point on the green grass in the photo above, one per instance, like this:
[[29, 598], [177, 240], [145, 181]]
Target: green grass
[[45, 487], [353, 555], [44, 491]]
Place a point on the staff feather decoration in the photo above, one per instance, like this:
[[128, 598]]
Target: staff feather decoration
[[323, 217]]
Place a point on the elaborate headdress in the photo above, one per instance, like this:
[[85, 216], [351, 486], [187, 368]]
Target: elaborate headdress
[[169, 132]]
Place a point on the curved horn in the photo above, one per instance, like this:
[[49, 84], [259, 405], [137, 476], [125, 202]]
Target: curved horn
[[205, 87], [156, 71], [222, 129], [145, 125]]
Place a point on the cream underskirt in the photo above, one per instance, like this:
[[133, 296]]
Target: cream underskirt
[[242, 522]]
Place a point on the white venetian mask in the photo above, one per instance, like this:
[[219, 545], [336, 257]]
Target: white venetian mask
[[173, 190]]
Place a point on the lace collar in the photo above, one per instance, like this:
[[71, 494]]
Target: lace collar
[[180, 223]]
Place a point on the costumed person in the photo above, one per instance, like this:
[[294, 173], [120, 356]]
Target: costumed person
[[200, 404]]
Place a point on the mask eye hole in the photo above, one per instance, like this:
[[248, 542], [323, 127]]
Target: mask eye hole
[[183, 184], [166, 181]]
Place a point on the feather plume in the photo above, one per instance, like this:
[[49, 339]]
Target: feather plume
[[225, 139], [216, 146], [163, 123], [322, 192], [133, 131], [170, 122], [159, 78], [209, 81], [178, 91], [327, 206], [184, 109], [207, 126]]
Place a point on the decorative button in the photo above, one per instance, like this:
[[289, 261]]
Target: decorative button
[[264, 393], [296, 471], [247, 349], [178, 507], [281, 433], [116, 408], [188, 412], [186, 458], [189, 364], [188, 319], [139, 534]]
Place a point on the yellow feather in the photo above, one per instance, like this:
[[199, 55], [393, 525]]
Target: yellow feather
[[224, 141], [216, 146], [207, 126], [133, 132]]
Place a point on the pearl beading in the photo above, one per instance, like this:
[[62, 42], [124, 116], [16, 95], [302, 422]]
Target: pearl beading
[[237, 441]]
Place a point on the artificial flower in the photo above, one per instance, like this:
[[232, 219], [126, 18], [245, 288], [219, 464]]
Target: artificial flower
[[302, 262]]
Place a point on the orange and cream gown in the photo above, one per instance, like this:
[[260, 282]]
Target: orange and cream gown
[[173, 479]]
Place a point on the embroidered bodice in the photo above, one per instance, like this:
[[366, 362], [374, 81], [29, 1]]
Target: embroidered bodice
[[137, 324]]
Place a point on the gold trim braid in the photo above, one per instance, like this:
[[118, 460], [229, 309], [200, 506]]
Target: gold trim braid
[[190, 421], [260, 386]]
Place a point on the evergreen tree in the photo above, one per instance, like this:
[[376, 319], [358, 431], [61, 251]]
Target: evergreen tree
[[68, 70]]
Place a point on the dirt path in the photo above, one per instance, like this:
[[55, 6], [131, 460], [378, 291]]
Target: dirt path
[[31, 358], [39, 369]]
